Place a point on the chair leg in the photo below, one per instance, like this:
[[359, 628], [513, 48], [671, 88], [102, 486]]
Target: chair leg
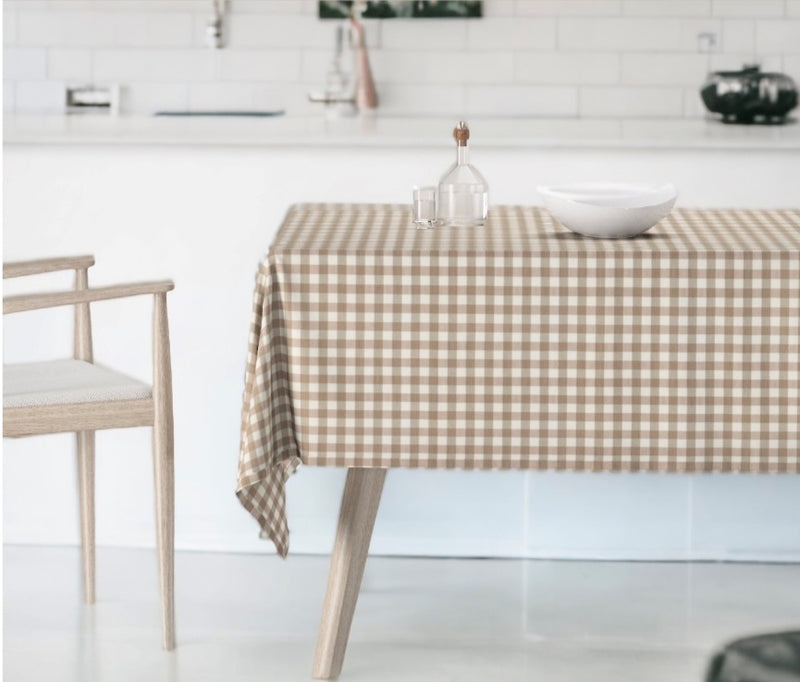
[[164, 469], [165, 532], [362, 495], [85, 441]]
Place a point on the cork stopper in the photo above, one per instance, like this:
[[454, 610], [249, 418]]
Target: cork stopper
[[461, 133]]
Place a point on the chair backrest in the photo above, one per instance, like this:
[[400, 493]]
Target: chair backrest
[[81, 296], [156, 411], [82, 345]]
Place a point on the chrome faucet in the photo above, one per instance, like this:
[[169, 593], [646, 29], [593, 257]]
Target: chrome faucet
[[338, 92], [345, 95], [215, 25]]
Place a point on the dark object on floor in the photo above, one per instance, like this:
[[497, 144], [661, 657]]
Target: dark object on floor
[[765, 658], [750, 96]]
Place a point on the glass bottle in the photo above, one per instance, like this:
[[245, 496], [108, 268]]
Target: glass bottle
[[463, 193]]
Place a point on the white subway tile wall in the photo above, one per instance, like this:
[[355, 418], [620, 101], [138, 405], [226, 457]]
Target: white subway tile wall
[[571, 58], [24, 64], [667, 8], [9, 27], [739, 35], [610, 102], [69, 63]]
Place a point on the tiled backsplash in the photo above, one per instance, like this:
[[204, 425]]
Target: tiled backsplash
[[591, 58]]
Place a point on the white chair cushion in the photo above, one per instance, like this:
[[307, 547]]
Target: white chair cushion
[[59, 382]]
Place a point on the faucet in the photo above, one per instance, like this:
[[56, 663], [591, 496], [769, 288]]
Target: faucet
[[215, 25], [339, 95], [342, 95]]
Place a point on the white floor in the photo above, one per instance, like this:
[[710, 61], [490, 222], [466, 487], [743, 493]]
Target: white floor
[[254, 617]]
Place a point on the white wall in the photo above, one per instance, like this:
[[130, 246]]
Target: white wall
[[205, 216], [593, 58]]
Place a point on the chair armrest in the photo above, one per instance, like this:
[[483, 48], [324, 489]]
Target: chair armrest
[[22, 302], [37, 267]]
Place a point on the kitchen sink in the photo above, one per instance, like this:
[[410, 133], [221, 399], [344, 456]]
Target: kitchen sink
[[250, 114]]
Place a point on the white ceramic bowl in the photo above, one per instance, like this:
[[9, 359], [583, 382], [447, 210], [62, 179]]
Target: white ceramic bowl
[[609, 210]]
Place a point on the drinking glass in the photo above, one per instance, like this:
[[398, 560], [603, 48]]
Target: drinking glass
[[425, 207]]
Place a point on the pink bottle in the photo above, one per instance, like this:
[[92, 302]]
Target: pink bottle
[[366, 95]]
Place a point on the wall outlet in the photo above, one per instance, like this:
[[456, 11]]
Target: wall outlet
[[707, 42]]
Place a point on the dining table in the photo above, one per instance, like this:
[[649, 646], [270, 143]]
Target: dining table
[[515, 345]]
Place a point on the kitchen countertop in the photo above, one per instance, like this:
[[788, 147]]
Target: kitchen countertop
[[393, 131]]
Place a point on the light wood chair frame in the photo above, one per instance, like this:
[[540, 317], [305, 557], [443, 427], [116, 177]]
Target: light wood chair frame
[[86, 418]]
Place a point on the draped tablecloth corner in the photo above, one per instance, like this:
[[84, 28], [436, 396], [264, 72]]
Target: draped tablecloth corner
[[268, 453], [520, 345]]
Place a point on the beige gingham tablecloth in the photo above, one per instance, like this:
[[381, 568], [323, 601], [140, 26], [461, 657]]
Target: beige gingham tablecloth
[[520, 345]]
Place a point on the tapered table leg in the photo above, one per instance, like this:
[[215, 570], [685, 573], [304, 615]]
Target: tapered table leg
[[362, 495]]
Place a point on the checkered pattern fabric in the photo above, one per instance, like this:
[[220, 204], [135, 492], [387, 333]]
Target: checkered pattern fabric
[[520, 345]]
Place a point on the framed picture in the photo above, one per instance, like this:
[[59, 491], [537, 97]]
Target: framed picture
[[406, 9]]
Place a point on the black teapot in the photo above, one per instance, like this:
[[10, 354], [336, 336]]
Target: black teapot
[[750, 96]]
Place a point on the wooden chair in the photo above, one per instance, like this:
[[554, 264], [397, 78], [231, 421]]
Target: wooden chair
[[77, 395]]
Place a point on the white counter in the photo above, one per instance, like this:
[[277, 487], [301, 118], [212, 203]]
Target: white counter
[[198, 200], [381, 131]]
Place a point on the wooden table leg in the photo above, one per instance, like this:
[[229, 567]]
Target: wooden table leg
[[362, 494]]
